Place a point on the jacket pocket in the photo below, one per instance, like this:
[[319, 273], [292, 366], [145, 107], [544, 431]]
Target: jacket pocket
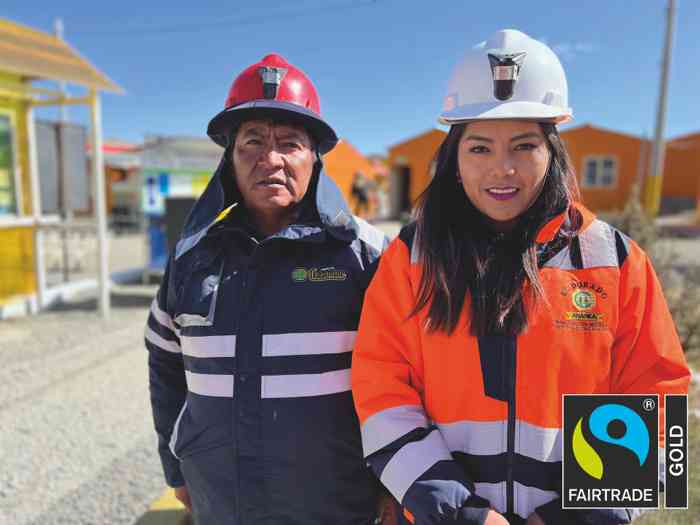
[[197, 294]]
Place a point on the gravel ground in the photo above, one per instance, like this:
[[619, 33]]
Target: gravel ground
[[77, 444]]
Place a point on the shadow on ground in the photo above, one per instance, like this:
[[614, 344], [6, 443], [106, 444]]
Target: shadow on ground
[[165, 517], [121, 296]]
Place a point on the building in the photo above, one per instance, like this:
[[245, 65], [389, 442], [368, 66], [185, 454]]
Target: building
[[28, 55], [411, 168], [607, 164], [343, 163]]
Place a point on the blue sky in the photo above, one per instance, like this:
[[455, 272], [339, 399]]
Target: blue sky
[[381, 66]]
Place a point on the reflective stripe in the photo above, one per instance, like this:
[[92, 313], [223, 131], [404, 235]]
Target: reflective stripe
[[176, 427], [215, 385], [476, 437], [163, 317], [598, 247], [308, 343], [415, 251], [163, 344], [387, 426], [490, 438], [371, 235], [527, 499], [305, 385], [209, 346], [411, 462], [561, 260], [540, 443], [494, 492]]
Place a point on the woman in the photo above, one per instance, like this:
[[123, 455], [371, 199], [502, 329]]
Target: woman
[[505, 294]]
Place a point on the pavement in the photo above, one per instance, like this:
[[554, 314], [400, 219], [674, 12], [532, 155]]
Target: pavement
[[77, 444]]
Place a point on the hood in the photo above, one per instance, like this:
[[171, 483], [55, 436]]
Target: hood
[[221, 194]]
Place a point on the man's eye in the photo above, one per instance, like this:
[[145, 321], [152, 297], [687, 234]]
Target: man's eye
[[253, 142]]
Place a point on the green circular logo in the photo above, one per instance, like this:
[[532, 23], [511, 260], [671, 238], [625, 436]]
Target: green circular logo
[[583, 299], [299, 275]]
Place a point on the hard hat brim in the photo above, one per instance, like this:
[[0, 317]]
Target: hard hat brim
[[225, 122], [515, 110]]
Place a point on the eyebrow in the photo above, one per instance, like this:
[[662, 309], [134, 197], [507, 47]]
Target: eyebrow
[[254, 131], [529, 134]]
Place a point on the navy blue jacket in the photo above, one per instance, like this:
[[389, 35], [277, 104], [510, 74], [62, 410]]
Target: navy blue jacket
[[250, 346]]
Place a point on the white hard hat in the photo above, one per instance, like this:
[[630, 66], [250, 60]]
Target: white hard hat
[[510, 76]]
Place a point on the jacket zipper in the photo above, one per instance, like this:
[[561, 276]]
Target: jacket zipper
[[510, 490]]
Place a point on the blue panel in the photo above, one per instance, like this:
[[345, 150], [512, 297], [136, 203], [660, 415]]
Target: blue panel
[[157, 243]]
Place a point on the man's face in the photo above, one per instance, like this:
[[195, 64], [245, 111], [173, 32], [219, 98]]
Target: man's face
[[272, 165]]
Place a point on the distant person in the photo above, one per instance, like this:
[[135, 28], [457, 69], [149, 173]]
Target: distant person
[[251, 333], [360, 192], [505, 294]]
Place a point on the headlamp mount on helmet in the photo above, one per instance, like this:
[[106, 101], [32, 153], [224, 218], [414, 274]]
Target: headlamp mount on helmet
[[505, 70]]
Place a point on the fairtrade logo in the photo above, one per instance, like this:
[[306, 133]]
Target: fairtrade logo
[[634, 438], [299, 275], [583, 299]]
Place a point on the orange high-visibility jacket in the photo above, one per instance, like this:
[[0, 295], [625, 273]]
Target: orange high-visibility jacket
[[493, 405]]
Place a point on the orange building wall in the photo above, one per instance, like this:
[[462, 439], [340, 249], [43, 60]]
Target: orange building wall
[[587, 140], [682, 167], [341, 164], [417, 154]]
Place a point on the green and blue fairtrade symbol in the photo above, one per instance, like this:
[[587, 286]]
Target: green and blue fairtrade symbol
[[635, 437]]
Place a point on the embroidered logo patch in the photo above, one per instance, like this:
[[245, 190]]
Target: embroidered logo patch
[[585, 297], [318, 275]]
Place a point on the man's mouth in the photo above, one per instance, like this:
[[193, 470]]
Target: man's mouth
[[272, 182]]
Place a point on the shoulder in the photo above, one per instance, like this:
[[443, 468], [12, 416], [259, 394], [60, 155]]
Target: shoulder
[[597, 245], [375, 240], [601, 244]]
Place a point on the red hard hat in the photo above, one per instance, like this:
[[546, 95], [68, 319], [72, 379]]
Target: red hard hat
[[272, 88]]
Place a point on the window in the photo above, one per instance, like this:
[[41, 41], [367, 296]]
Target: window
[[8, 194], [599, 172]]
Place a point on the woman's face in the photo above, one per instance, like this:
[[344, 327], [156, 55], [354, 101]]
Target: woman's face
[[502, 165]]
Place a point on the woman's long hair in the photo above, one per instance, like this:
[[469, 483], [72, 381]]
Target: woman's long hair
[[462, 256]]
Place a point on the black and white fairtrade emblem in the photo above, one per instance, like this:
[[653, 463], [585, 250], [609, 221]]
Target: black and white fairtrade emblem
[[271, 77], [505, 70]]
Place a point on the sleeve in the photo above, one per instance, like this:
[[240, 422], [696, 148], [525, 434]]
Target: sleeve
[[647, 358], [166, 373], [405, 451]]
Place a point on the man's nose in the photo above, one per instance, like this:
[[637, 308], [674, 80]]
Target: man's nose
[[272, 158]]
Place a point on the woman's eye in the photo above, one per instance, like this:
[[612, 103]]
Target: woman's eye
[[253, 142], [526, 146], [478, 149]]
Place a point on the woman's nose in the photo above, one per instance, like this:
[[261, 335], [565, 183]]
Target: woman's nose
[[506, 166]]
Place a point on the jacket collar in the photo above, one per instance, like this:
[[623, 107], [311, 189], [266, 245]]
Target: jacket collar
[[549, 231], [211, 207]]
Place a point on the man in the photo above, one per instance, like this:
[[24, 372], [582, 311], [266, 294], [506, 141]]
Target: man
[[250, 335]]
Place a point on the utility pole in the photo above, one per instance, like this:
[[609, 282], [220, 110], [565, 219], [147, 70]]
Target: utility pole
[[654, 183], [63, 177]]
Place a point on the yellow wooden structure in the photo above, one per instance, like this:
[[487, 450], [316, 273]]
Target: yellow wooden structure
[[27, 55]]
